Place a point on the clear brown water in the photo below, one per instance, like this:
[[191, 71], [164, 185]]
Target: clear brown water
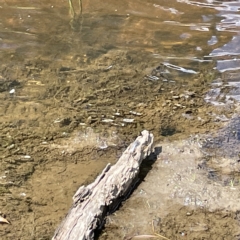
[[170, 31], [68, 89], [186, 32]]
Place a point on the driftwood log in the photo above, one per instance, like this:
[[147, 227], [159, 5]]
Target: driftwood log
[[92, 203]]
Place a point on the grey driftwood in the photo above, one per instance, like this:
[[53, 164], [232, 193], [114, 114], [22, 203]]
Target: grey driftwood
[[91, 203]]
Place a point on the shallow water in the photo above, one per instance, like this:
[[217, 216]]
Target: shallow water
[[171, 31], [77, 88]]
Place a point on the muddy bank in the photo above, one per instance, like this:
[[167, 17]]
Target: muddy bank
[[179, 198]]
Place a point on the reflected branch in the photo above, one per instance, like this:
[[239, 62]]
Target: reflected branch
[[72, 12], [76, 18]]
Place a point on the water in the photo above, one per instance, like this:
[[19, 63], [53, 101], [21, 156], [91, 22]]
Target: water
[[116, 68], [183, 33], [172, 31]]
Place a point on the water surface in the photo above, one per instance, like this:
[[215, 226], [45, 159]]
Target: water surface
[[75, 89]]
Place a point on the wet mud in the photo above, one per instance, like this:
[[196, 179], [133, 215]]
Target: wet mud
[[179, 199]]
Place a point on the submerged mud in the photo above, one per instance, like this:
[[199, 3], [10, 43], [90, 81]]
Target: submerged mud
[[63, 124]]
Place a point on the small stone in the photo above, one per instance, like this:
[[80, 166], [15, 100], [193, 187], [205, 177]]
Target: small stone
[[188, 213], [175, 97], [12, 91]]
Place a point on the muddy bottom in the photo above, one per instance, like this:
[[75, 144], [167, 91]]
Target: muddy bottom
[[65, 121]]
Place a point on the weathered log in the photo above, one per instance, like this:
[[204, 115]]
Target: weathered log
[[92, 203]]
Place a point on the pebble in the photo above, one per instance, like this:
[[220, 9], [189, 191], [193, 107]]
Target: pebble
[[12, 91], [107, 120], [128, 120]]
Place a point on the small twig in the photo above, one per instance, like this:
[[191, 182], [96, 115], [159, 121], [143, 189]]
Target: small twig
[[80, 6], [72, 11], [148, 204]]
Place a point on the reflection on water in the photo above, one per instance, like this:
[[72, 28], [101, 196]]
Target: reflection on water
[[228, 13]]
